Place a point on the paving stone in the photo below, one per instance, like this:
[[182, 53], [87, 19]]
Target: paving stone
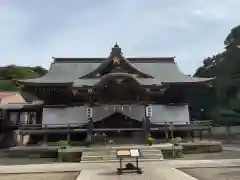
[[214, 173], [40, 176]]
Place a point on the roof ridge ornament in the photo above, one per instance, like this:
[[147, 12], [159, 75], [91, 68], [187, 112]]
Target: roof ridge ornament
[[116, 50]]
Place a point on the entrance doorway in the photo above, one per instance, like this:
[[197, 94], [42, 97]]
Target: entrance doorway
[[119, 128]]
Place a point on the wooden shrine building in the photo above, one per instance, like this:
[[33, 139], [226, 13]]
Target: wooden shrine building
[[115, 97]]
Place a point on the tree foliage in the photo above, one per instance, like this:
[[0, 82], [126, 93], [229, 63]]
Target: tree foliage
[[225, 67], [8, 73]]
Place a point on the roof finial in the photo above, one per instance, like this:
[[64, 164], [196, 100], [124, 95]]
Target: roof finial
[[116, 45], [116, 50]]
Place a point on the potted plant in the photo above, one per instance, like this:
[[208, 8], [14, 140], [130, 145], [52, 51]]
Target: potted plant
[[176, 141], [63, 144], [150, 141]]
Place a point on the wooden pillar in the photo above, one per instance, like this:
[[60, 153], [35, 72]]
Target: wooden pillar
[[192, 135], [69, 134], [18, 117], [89, 130], [45, 136], [29, 120], [210, 132], [20, 139], [7, 115], [200, 135], [39, 113], [188, 132], [147, 128], [166, 131]]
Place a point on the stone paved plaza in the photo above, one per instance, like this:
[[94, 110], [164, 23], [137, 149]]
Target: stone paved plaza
[[231, 173], [183, 169], [165, 170], [41, 176]]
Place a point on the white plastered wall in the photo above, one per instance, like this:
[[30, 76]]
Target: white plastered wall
[[74, 115], [175, 114], [64, 116]]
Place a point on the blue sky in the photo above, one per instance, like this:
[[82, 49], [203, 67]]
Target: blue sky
[[34, 31]]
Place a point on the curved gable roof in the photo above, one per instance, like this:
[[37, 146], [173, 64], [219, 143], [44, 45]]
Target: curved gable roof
[[69, 70]]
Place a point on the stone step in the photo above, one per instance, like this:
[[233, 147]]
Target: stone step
[[117, 160], [146, 154], [114, 151], [150, 156]]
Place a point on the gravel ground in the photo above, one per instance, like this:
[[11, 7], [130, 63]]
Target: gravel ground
[[213, 173], [40, 176]]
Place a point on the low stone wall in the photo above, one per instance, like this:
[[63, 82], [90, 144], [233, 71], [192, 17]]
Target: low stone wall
[[201, 147], [223, 131], [33, 153], [234, 130], [74, 154], [62, 155], [66, 156], [175, 152]]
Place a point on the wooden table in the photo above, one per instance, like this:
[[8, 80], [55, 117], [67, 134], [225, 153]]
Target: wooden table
[[126, 153]]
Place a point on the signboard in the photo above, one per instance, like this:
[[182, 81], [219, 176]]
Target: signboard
[[148, 111], [89, 112], [128, 153], [134, 152], [123, 153]]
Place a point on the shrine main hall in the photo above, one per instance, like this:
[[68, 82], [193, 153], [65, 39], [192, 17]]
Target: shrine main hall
[[116, 96]]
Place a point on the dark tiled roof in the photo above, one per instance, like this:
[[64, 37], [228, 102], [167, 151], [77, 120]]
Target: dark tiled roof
[[72, 70], [65, 72]]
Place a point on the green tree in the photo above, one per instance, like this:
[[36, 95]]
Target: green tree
[[8, 73], [225, 67]]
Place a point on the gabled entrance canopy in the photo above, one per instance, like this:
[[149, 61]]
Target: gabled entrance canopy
[[116, 62]]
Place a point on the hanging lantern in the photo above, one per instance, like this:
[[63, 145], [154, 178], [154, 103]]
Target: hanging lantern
[[89, 112], [90, 91], [122, 108], [74, 91], [148, 111]]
